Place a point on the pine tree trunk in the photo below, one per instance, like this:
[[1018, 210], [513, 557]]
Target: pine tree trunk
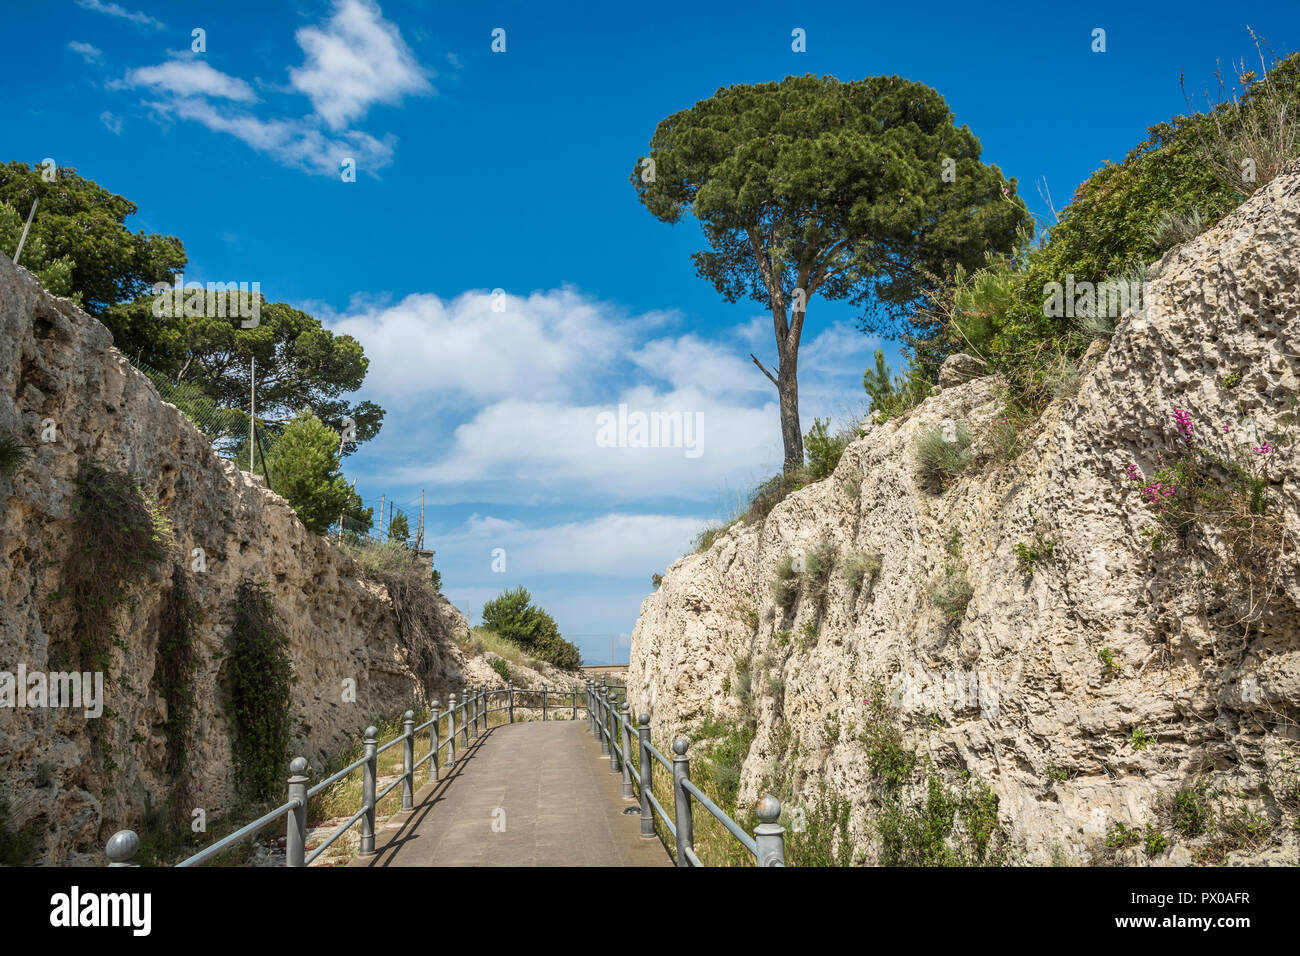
[[787, 386]]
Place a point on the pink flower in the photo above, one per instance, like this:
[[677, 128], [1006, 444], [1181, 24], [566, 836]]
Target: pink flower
[[1184, 420], [1263, 449]]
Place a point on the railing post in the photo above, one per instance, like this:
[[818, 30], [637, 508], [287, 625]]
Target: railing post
[[770, 835], [510, 700], [628, 792], [408, 760], [451, 729], [543, 702], [471, 714], [682, 800], [464, 717], [369, 773], [433, 741], [483, 710], [647, 778], [574, 690], [613, 737], [602, 722], [121, 848], [591, 713], [295, 824]]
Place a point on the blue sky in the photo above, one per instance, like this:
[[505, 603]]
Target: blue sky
[[479, 171]]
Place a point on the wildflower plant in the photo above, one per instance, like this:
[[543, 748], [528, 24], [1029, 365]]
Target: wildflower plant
[[1213, 499]]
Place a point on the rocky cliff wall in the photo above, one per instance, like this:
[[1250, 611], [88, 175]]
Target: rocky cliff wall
[[58, 777], [1087, 688]]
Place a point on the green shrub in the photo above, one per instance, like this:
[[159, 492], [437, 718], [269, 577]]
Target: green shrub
[[12, 453], [940, 461], [859, 568], [120, 538], [823, 839], [1121, 836], [950, 592], [1030, 554], [823, 450], [175, 670], [17, 846], [1155, 842], [261, 679], [818, 566], [514, 616], [770, 493], [304, 468], [1191, 811], [1141, 740], [502, 668]]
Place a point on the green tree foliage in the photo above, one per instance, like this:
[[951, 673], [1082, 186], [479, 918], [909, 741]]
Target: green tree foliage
[[824, 449], [300, 364], [81, 222], [304, 467], [514, 616], [55, 274], [813, 186], [399, 529]]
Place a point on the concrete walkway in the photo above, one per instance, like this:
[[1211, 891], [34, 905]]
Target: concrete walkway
[[526, 794]]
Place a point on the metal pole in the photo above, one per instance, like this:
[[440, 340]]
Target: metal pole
[[613, 737], [367, 847], [252, 409], [601, 721], [408, 759], [433, 741], [451, 729], [543, 703], [18, 252], [628, 792], [510, 700], [574, 689], [295, 837], [464, 717], [471, 714], [682, 800], [647, 778], [770, 835]]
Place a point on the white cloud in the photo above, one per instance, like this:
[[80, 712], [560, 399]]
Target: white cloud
[[111, 122], [186, 78], [615, 543], [87, 52], [290, 142], [113, 10], [546, 345], [356, 59]]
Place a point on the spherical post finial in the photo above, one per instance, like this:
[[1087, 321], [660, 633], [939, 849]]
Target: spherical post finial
[[372, 732], [409, 715], [298, 766], [122, 847], [680, 745], [643, 720], [768, 809]]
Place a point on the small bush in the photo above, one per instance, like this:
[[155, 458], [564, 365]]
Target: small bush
[[950, 592], [515, 617], [1121, 836], [656, 580], [502, 668], [940, 457], [818, 567], [1190, 811], [12, 453], [261, 679], [1141, 740], [824, 450], [1175, 228], [770, 493], [1030, 554], [1110, 667], [859, 568], [17, 846], [1155, 842]]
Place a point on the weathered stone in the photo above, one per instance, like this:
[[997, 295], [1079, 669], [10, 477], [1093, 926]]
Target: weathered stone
[[959, 368], [1017, 685]]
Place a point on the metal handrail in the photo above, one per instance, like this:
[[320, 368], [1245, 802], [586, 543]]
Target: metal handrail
[[608, 720], [239, 834], [607, 716]]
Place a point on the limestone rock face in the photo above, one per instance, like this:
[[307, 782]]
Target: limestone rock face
[[1017, 690], [56, 363], [960, 368]]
